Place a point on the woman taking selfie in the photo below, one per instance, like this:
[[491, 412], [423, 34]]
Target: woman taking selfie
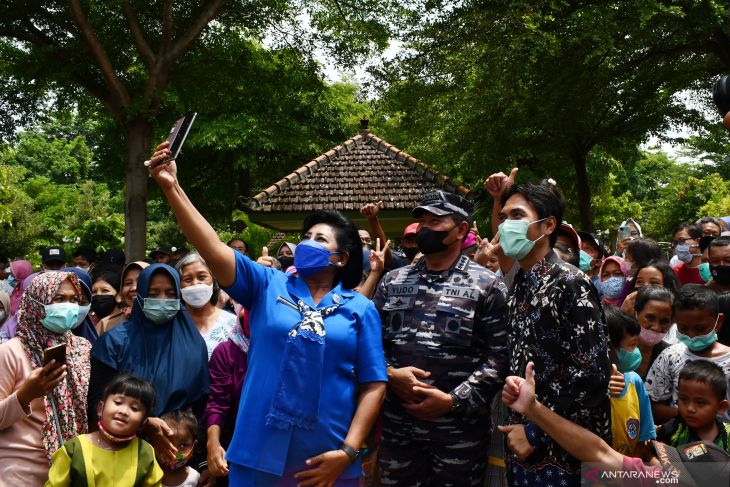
[[316, 374]]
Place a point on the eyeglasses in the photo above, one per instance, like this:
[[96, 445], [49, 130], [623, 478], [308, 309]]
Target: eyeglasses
[[685, 240]]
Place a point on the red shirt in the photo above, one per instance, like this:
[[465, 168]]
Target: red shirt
[[686, 275]]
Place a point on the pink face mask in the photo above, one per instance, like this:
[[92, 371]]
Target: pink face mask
[[650, 337]]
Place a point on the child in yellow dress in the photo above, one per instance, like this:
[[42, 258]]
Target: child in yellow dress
[[112, 456]]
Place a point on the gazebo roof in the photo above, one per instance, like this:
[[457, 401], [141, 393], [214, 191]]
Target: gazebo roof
[[364, 169]]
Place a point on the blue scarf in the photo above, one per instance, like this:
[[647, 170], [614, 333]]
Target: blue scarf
[[172, 356], [296, 400]]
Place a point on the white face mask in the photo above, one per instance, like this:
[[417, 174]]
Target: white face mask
[[198, 295]]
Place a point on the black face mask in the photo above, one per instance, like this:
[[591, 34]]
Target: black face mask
[[286, 262], [103, 304], [721, 274], [432, 241], [410, 252]]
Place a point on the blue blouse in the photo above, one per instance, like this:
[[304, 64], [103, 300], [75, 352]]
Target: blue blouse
[[353, 354]]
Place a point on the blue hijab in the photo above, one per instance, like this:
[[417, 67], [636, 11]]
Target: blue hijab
[[172, 356], [86, 328]]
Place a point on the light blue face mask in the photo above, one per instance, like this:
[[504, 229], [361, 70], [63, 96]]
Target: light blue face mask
[[682, 251], [159, 311], [628, 361], [60, 317], [701, 342], [513, 238], [585, 261], [83, 312], [705, 272], [11, 281]]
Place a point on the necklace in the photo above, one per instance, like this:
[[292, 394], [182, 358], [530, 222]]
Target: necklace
[[100, 445]]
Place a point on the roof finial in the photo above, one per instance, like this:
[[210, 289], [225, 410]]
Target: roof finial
[[364, 125]]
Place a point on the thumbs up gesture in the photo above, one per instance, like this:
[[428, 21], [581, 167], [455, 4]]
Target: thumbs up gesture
[[497, 183], [267, 261], [519, 394], [616, 384]]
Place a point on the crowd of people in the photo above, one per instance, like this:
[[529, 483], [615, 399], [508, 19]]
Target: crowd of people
[[449, 359]]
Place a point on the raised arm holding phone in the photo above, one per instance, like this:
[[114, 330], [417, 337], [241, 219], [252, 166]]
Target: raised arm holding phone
[[315, 415]]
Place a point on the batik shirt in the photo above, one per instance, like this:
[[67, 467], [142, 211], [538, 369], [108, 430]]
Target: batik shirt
[[556, 321], [452, 324]]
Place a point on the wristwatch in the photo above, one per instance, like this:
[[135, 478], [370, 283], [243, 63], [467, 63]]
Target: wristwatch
[[457, 403], [351, 452]]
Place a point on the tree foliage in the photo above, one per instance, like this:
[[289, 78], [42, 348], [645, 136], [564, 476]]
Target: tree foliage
[[120, 58], [545, 85]]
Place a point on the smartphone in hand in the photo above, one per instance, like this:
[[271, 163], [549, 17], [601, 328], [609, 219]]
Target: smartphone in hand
[[624, 233], [178, 133], [57, 353]]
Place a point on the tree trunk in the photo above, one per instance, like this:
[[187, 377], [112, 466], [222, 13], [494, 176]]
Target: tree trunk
[[244, 186], [139, 136], [584, 192]]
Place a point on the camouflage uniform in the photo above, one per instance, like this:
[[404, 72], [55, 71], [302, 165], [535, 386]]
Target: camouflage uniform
[[451, 324]]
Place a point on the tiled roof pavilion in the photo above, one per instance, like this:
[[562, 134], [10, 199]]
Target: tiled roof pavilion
[[362, 170]]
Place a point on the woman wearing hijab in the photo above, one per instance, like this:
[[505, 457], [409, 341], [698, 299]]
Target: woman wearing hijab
[[20, 270], [227, 367], [160, 344], [42, 406], [613, 280], [285, 255], [627, 231], [127, 293], [84, 328], [4, 312], [316, 375]]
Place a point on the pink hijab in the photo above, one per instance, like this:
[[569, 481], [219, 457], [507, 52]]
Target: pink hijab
[[624, 270], [21, 269]]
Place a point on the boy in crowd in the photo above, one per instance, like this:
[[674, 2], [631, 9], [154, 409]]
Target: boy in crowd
[[694, 464], [698, 319], [702, 398], [631, 417]]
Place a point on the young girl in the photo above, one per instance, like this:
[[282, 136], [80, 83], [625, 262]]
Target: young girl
[[114, 456], [184, 428]]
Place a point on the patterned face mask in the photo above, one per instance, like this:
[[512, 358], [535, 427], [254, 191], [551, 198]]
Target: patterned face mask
[[613, 286], [181, 459]]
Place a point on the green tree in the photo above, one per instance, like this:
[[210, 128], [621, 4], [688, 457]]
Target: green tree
[[486, 85], [18, 225], [62, 161], [120, 57]]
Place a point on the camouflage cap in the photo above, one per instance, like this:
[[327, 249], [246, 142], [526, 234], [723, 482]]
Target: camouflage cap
[[442, 203]]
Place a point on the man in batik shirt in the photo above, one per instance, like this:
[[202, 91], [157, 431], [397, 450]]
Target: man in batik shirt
[[555, 320]]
